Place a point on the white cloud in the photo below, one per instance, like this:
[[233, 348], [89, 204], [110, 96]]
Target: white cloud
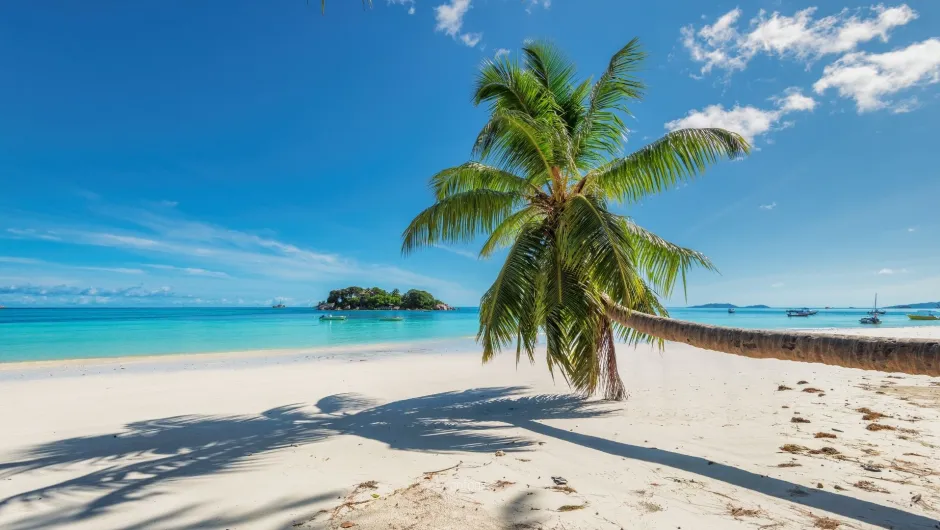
[[904, 106], [193, 271], [912, 229], [252, 258], [169, 204], [19, 261], [794, 100], [748, 121], [777, 285], [32, 234], [538, 3], [501, 52], [409, 3], [118, 270], [471, 39], [136, 291], [449, 18], [870, 78], [721, 45], [888, 272], [459, 252], [770, 206], [33, 261]]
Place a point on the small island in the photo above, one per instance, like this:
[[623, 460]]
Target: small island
[[358, 298]]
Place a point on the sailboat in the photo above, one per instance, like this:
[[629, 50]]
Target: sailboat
[[873, 319]]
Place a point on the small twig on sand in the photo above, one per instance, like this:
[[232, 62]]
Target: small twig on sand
[[431, 474]]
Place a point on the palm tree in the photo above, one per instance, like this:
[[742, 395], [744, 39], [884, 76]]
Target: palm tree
[[546, 169]]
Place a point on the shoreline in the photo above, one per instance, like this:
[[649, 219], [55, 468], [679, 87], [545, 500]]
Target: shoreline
[[391, 347], [319, 351]]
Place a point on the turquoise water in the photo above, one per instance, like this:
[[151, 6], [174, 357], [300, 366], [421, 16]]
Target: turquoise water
[[71, 333]]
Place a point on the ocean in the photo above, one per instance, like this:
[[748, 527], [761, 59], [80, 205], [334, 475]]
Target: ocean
[[81, 333]]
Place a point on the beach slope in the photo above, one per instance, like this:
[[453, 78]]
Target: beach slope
[[437, 440]]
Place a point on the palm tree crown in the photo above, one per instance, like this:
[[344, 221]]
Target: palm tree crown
[[545, 169]]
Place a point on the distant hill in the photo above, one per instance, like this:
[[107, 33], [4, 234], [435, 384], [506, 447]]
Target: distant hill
[[922, 305], [727, 306]]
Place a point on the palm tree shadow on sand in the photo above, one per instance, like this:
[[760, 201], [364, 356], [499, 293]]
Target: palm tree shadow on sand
[[132, 463]]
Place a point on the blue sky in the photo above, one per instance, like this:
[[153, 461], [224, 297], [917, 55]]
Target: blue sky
[[216, 153]]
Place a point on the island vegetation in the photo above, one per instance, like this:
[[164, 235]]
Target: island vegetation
[[353, 298]]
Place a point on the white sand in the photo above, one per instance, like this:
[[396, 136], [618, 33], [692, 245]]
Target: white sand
[[218, 442]]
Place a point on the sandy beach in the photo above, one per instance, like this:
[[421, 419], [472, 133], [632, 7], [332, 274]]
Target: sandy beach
[[434, 440]]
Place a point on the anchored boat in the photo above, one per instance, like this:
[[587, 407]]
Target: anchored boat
[[924, 315], [873, 319], [331, 317], [392, 319], [805, 312]]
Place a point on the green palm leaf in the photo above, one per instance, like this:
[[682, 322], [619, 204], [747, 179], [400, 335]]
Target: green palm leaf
[[678, 156], [545, 168], [476, 176], [506, 233], [505, 304], [459, 218], [662, 262], [600, 132]]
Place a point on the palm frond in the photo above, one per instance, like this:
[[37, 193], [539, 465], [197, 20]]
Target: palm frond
[[459, 218], [505, 305], [602, 130], [567, 305], [663, 262], [509, 88], [473, 176], [595, 237], [506, 233], [518, 143], [679, 155]]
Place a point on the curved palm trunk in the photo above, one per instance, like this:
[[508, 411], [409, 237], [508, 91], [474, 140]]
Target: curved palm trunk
[[910, 356]]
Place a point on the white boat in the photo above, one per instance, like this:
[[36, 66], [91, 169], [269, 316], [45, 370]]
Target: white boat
[[805, 312]]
